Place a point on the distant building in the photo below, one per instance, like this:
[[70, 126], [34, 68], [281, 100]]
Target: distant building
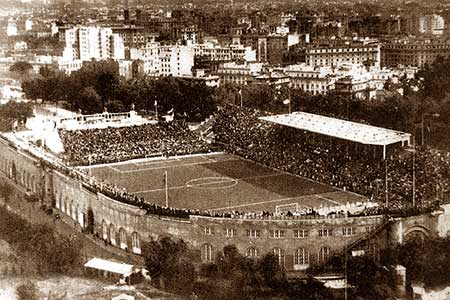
[[176, 60], [92, 42], [431, 25], [240, 74], [353, 52], [413, 52]]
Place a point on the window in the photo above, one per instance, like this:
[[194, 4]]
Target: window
[[370, 228], [206, 253], [323, 255], [325, 232], [253, 233], [230, 232], [251, 252], [277, 233], [301, 257], [301, 233], [279, 254], [207, 230], [348, 231]]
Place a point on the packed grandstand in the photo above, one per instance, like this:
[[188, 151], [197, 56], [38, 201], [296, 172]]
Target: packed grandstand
[[239, 131]]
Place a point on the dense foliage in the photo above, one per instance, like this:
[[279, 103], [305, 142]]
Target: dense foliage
[[427, 261], [13, 113], [50, 252], [97, 86], [232, 276]]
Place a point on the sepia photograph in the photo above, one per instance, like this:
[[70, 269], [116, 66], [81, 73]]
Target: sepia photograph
[[224, 150]]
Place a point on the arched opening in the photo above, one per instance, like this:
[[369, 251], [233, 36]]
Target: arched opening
[[72, 210], [135, 243], [416, 233], [90, 221], [104, 230], [112, 234], [252, 252], [279, 254], [123, 239], [206, 253], [80, 216]]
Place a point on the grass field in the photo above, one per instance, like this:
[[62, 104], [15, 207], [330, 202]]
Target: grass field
[[219, 182]]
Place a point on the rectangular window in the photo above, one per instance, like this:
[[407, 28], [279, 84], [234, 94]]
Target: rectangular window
[[230, 232], [348, 231], [301, 233], [208, 230], [276, 234], [325, 232], [370, 228], [253, 233]]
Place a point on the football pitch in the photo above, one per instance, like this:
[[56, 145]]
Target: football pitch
[[219, 183]]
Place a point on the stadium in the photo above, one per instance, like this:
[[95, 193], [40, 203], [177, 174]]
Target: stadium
[[299, 185]]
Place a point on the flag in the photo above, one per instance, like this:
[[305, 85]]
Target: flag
[[156, 103], [240, 92], [286, 101]]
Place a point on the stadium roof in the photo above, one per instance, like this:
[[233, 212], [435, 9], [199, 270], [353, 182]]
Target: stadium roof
[[342, 129]]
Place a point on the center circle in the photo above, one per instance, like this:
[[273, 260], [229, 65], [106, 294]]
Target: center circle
[[212, 183]]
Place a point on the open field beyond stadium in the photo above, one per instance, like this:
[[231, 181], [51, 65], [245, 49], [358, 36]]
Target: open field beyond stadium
[[219, 182]]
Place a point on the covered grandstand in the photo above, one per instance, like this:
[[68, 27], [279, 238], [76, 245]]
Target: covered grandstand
[[341, 129]]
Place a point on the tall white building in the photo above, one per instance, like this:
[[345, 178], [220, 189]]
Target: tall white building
[[92, 42], [11, 30], [176, 60], [431, 24]]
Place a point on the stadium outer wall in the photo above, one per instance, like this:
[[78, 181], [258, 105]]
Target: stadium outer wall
[[298, 243]]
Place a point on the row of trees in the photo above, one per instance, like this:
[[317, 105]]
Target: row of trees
[[231, 276], [40, 246], [98, 86]]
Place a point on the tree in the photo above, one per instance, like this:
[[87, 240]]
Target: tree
[[90, 102], [170, 264], [27, 291], [21, 69]]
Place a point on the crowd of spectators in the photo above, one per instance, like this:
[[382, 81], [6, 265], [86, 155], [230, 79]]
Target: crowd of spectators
[[239, 131], [94, 146]]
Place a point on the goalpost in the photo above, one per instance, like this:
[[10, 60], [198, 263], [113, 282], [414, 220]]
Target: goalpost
[[284, 208]]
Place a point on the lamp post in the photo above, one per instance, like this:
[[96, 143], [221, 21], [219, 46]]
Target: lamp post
[[423, 131]]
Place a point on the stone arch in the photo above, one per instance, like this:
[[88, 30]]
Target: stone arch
[[64, 205], [104, 230], [417, 230], [32, 187], [207, 253], [280, 255], [79, 214], [252, 252], [72, 210], [123, 238], [135, 243], [90, 220], [112, 234]]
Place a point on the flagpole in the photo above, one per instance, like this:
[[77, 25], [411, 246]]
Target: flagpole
[[167, 190], [414, 173]]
